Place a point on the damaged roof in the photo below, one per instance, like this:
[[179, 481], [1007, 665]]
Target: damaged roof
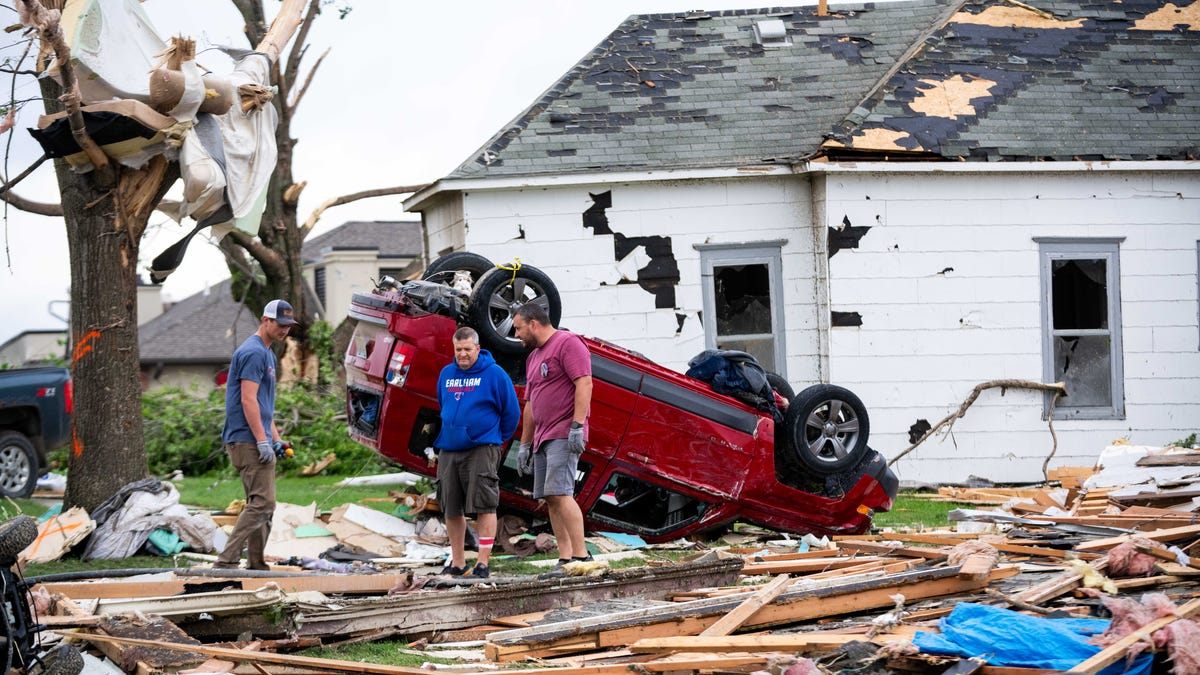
[[695, 89], [1059, 80], [932, 79]]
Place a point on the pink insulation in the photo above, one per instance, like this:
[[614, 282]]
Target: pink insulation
[[1124, 561]]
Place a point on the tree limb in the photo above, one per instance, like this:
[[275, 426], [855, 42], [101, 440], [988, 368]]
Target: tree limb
[[1058, 388], [298, 47], [40, 208], [50, 32], [282, 28], [24, 174], [346, 199], [307, 80]]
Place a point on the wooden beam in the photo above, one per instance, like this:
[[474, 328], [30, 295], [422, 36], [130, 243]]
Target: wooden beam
[[1171, 534], [805, 566], [733, 620], [892, 549], [326, 583], [1117, 650], [242, 656], [789, 642]]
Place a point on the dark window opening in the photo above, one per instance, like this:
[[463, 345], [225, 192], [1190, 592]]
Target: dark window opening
[[1080, 294], [742, 295], [636, 505]]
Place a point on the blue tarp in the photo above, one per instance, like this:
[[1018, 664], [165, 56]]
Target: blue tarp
[[1003, 637]]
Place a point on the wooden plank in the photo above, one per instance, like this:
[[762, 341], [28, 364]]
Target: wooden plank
[[804, 566], [734, 620], [701, 662], [806, 555], [1117, 650], [692, 618], [791, 642], [1171, 534], [1175, 459], [977, 566], [1052, 588], [326, 583], [892, 550], [1163, 554], [1046, 552], [242, 656], [886, 568]]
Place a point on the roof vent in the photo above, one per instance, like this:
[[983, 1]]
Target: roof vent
[[771, 34]]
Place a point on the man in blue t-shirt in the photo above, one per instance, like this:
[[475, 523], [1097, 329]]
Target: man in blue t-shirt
[[250, 434], [479, 411]]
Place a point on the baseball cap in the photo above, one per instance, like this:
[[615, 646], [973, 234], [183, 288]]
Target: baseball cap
[[281, 312]]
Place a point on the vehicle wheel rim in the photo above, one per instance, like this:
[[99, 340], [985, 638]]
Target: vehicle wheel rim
[[503, 304], [831, 431], [14, 471]]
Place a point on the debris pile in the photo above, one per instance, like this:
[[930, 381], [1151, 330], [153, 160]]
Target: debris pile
[[1055, 580]]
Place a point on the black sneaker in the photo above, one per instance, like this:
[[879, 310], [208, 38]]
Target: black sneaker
[[589, 558], [455, 571], [480, 571]]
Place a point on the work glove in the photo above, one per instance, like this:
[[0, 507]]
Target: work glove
[[266, 454], [525, 460], [575, 440]]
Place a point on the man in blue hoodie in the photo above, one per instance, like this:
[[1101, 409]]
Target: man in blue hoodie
[[479, 415]]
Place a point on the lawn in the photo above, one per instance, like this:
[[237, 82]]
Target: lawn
[[916, 512], [216, 492]]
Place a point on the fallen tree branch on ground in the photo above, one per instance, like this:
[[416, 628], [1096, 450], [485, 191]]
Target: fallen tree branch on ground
[[1057, 388]]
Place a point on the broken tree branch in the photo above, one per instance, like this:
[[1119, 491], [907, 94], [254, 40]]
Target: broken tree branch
[[24, 174], [346, 199], [948, 421], [296, 97], [291, 13], [50, 33]]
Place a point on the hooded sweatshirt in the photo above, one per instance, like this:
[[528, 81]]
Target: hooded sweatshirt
[[479, 405]]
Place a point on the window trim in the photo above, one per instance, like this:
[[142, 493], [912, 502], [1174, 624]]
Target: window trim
[[769, 253], [1051, 249]]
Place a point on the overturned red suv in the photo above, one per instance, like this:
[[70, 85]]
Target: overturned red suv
[[667, 455]]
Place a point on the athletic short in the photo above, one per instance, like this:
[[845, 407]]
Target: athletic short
[[467, 481], [554, 469]]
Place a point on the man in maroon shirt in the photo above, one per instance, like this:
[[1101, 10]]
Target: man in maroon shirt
[[558, 392]]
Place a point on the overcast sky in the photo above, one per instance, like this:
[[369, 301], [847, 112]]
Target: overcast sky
[[408, 91]]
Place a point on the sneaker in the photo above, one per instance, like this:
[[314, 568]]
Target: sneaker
[[453, 571], [557, 573], [480, 571], [588, 558]]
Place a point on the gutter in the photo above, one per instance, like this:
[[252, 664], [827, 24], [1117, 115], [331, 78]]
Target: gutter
[[997, 167]]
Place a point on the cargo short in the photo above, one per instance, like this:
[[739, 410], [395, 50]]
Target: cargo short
[[467, 481], [554, 469]]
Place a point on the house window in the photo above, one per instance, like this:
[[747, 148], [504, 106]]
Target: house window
[[319, 284], [743, 300], [1081, 326]]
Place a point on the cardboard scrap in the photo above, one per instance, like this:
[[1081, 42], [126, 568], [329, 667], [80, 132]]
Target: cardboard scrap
[[58, 535]]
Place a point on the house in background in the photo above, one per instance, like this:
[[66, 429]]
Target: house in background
[[34, 348], [349, 258], [906, 199], [190, 344]]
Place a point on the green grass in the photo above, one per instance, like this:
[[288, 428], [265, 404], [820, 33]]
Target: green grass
[[217, 491], [385, 652], [916, 512], [76, 564], [11, 508]]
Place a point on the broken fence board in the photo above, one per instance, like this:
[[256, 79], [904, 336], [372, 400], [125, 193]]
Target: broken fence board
[[1170, 534], [733, 620]]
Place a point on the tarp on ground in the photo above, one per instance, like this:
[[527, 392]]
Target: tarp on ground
[[1003, 637]]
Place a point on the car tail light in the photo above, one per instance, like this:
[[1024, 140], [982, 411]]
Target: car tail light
[[69, 396], [401, 361]]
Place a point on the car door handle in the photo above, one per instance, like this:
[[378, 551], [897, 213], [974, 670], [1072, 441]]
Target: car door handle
[[644, 459]]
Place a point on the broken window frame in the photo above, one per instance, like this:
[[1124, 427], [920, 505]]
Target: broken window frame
[[1050, 250], [767, 253]]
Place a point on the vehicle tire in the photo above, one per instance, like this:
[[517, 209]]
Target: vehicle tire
[[780, 386], [498, 294], [18, 465], [828, 428], [16, 535], [64, 659], [442, 269]]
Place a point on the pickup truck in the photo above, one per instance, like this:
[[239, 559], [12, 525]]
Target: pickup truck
[[35, 416]]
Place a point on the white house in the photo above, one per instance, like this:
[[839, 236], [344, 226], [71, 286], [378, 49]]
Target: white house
[[906, 199]]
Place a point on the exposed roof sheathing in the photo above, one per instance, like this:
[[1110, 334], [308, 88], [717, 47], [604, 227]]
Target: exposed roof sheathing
[[1072, 80], [982, 80]]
